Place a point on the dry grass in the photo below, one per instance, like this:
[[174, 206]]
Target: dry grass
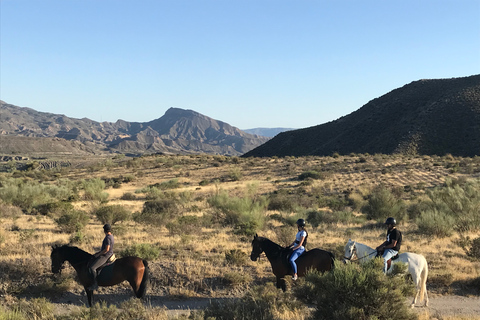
[[194, 265]]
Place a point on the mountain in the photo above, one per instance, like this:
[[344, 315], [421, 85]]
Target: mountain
[[177, 131], [431, 117], [267, 132]]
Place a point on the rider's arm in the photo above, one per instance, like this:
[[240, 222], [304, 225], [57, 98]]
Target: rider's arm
[[391, 245], [382, 246], [102, 252], [298, 245]]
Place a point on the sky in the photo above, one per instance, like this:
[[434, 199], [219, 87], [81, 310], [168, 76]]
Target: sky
[[249, 63]]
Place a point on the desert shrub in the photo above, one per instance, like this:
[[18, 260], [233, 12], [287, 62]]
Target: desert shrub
[[235, 279], [236, 257], [55, 208], [185, 225], [310, 174], [382, 203], [356, 291], [290, 201], [234, 174], [93, 189], [471, 247], [29, 194], [36, 308], [158, 212], [456, 203], [436, 223], [128, 196], [112, 214], [315, 218], [71, 222], [6, 314], [165, 185], [9, 211], [246, 214], [259, 303], [142, 250]]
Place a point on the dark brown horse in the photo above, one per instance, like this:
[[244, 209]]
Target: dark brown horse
[[316, 259], [133, 269]]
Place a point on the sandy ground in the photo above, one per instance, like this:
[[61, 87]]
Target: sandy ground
[[439, 306]]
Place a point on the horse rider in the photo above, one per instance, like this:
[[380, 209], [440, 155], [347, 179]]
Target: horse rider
[[298, 246], [391, 246], [102, 256]]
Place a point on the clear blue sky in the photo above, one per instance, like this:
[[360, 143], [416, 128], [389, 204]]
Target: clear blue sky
[[250, 63]]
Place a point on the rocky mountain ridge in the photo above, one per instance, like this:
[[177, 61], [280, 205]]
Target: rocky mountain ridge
[[178, 131]]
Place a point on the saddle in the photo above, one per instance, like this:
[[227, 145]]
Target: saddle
[[286, 254], [389, 261], [109, 261]]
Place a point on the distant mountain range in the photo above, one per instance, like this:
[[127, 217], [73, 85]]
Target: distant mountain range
[[429, 117], [178, 131], [267, 132]]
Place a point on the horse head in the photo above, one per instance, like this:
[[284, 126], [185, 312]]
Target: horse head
[[57, 259], [256, 248], [350, 251]]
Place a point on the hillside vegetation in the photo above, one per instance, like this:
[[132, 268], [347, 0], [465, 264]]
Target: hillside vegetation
[[425, 117], [193, 218]]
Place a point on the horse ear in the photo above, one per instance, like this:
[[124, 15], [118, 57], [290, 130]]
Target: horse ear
[[256, 236]]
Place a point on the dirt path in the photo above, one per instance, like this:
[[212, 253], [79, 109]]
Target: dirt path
[[454, 306], [439, 305]]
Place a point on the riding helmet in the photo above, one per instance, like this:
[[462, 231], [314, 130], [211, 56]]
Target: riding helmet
[[107, 227], [391, 221], [301, 222]]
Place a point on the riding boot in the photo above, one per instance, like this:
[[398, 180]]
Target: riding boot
[[94, 285]]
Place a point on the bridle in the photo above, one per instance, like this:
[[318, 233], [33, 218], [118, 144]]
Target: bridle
[[354, 253]]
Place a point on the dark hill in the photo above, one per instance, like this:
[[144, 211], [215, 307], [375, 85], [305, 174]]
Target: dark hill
[[424, 117], [178, 131]]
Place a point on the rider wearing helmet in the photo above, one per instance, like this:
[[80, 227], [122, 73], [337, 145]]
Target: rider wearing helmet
[[391, 246], [298, 246], [103, 255]]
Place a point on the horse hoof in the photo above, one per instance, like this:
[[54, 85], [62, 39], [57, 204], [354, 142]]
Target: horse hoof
[[412, 305]]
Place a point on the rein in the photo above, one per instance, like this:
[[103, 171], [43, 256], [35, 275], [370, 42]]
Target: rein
[[354, 253]]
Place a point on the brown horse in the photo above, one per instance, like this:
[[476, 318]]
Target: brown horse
[[316, 259], [133, 269]]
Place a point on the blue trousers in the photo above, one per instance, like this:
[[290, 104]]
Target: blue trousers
[[387, 254], [294, 256]]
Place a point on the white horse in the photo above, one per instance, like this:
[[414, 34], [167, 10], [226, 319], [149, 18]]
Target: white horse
[[417, 265]]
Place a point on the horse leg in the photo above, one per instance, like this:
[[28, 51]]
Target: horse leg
[[281, 284], [416, 281], [89, 296]]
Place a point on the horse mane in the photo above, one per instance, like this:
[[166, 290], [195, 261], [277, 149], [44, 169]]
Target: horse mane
[[270, 246], [74, 254]]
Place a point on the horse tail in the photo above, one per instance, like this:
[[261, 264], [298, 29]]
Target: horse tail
[[423, 280], [143, 285]]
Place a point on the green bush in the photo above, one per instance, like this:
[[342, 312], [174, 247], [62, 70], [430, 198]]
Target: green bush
[[356, 292], [36, 308], [435, 222], [112, 214], [311, 174], [456, 204], [382, 204], [55, 208], [259, 303], [29, 194], [93, 189], [128, 196], [185, 225], [165, 185], [142, 250], [246, 214], [158, 212], [71, 222], [236, 257]]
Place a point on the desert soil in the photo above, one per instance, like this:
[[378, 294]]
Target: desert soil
[[439, 306]]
